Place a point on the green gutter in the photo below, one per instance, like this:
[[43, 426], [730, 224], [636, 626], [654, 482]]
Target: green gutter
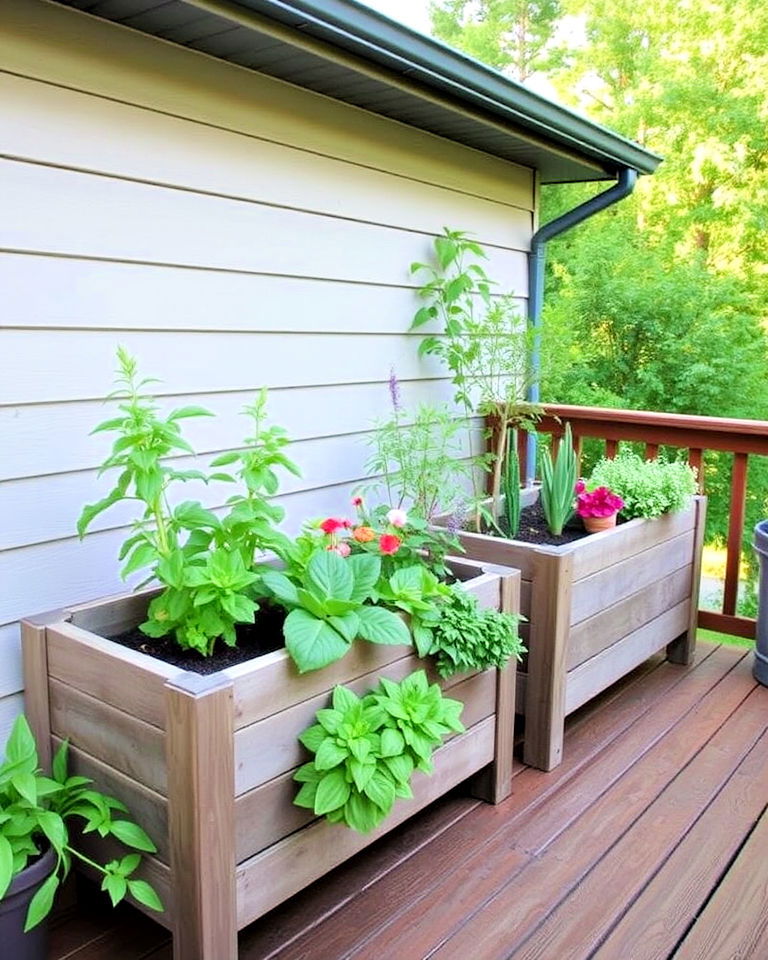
[[376, 38]]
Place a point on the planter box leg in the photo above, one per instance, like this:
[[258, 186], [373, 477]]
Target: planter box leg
[[201, 815], [495, 783], [34, 651], [682, 648], [545, 685]]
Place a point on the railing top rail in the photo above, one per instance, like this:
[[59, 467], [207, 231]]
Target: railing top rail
[[675, 429]]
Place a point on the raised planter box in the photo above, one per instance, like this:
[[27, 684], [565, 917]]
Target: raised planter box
[[205, 764], [597, 608]]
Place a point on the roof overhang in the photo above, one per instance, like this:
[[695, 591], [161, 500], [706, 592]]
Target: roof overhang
[[351, 53]]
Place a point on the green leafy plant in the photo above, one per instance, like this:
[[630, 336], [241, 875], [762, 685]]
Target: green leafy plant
[[486, 343], [420, 458], [558, 483], [511, 485], [36, 812], [647, 487], [332, 603], [204, 562], [366, 749], [464, 637]]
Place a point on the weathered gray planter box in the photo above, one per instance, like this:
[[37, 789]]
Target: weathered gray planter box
[[205, 764], [597, 608]]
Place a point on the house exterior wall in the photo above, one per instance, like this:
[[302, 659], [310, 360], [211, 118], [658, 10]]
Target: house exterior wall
[[231, 231]]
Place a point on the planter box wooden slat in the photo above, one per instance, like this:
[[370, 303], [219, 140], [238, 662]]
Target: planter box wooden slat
[[307, 855], [597, 607], [609, 665], [206, 762], [605, 628]]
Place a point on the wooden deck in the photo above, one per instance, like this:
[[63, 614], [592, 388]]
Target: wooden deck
[[648, 842]]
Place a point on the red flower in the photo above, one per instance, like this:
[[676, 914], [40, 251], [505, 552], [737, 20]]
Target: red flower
[[389, 543], [601, 502], [357, 501], [332, 525]]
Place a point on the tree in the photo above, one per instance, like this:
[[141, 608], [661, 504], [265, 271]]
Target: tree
[[510, 35]]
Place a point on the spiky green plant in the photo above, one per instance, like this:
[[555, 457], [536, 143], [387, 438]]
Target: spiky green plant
[[511, 485], [558, 482]]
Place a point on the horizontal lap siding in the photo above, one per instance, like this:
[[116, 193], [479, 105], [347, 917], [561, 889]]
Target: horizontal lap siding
[[232, 231]]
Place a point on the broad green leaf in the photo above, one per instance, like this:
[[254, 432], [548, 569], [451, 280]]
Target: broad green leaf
[[142, 892], [330, 720], [54, 828], [344, 699], [348, 626], [20, 747], [360, 748], [400, 767], [312, 643], [366, 569], [312, 737], [362, 771], [378, 625], [381, 790], [116, 887], [240, 608], [129, 863], [132, 835], [306, 795], [143, 554], [26, 784], [408, 583], [308, 773], [392, 743], [332, 792], [225, 459], [329, 576], [192, 515], [41, 903], [318, 608], [361, 814], [6, 865], [329, 755]]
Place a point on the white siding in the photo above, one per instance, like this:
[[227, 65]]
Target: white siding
[[230, 230]]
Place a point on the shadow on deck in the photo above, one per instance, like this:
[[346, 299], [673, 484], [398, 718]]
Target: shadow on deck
[[648, 842]]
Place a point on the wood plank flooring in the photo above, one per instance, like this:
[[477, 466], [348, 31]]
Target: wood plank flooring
[[647, 843]]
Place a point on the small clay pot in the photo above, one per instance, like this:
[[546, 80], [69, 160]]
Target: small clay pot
[[596, 524]]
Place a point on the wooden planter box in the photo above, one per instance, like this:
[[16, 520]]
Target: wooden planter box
[[205, 764], [597, 608]]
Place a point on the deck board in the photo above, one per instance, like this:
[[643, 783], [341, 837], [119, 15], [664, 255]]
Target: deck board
[[647, 842]]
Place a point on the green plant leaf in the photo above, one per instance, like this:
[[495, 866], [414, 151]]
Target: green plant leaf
[[41, 903], [329, 576], [361, 814], [392, 743], [281, 586], [329, 755], [312, 737], [312, 643], [132, 835], [348, 625], [6, 865], [142, 555], [381, 790], [366, 570], [116, 886], [306, 795], [332, 792], [378, 625], [343, 699], [182, 413], [224, 459], [142, 892]]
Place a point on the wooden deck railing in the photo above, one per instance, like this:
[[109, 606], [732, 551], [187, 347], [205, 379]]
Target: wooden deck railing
[[695, 435]]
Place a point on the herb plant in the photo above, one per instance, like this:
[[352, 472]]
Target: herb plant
[[464, 637], [36, 812], [558, 483], [486, 343], [204, 562], [420, 458], [366, 749], [647, 487]]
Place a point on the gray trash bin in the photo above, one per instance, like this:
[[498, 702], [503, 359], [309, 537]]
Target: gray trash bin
[[760, 670]]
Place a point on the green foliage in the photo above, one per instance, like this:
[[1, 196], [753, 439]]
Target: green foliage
[[647, 487], [465, 637], [366, 749], [421, 460], [558, 483], [511, 485], [205, 563], [486, 343], [510, 35], [330, 604], [36, 811]]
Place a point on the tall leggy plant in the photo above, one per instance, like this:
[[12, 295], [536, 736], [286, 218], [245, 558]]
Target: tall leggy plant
[[558, 483], [511, 485], [485, 342]]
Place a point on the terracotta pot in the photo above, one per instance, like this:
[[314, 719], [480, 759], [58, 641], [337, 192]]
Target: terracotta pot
[[596, 524]]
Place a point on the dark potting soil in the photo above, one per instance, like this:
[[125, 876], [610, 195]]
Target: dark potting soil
[[253, 640], [533, 528]]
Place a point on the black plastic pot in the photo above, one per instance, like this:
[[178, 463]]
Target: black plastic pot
[[760, 669], [14, 943]]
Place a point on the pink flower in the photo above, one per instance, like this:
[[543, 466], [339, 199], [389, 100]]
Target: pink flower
[[598, 503], [580, 486], [357, 502], [389, 544], [398, 518], [333, 525], [343, 549]]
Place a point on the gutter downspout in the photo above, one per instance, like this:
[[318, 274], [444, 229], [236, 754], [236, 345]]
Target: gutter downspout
[[624, 185]]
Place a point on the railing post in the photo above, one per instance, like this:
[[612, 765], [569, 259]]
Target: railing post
[[735, 530]]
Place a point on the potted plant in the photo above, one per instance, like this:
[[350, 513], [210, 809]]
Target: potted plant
[[204, 744], [598, 508], [37, 843], [599, 605]]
